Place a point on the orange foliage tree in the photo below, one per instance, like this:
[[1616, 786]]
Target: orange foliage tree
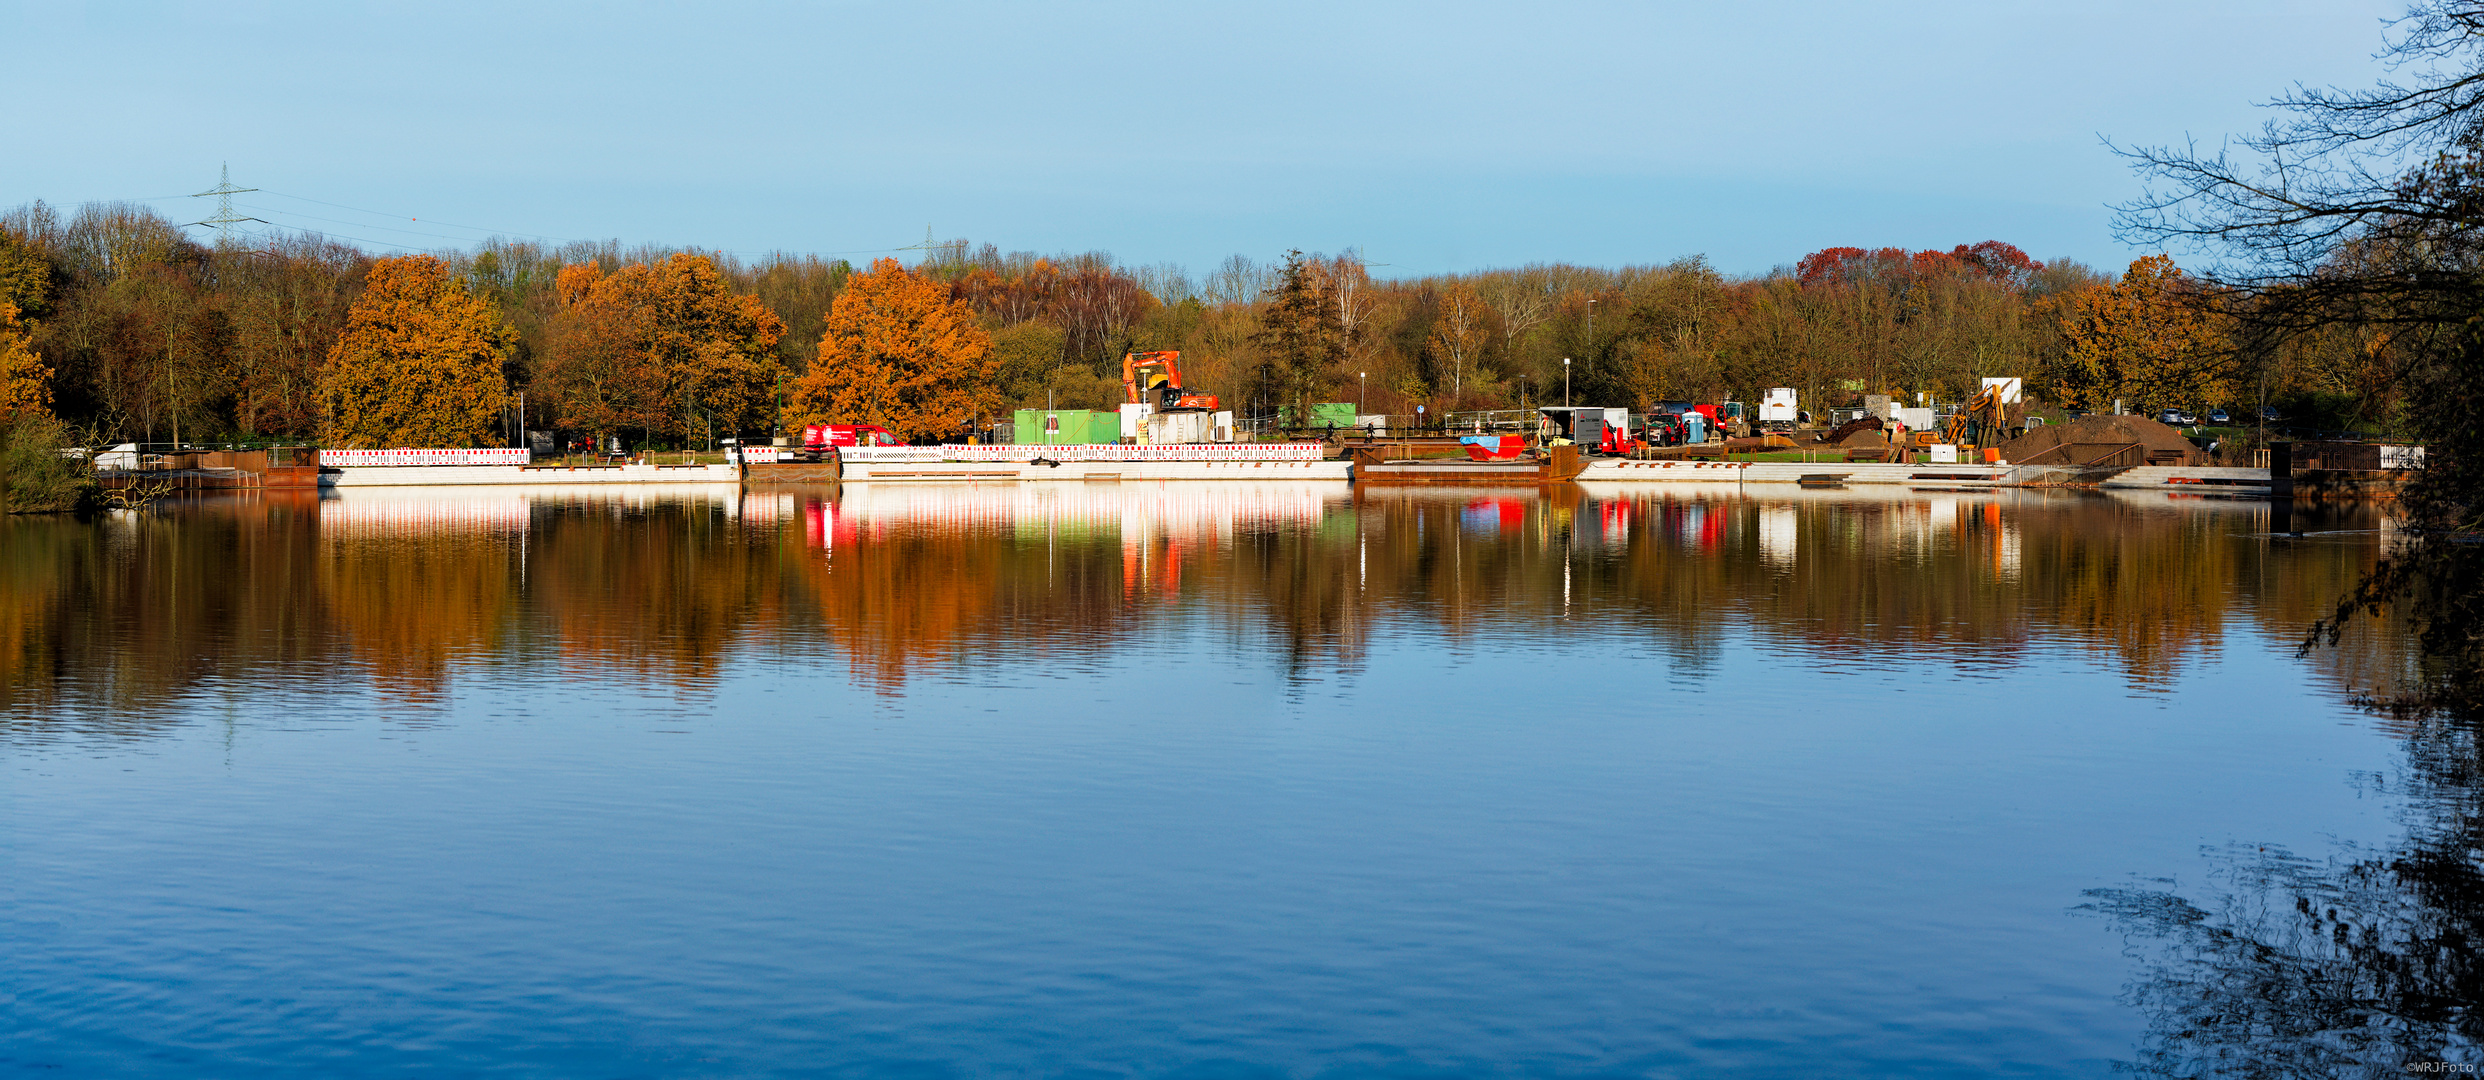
[[419, 363], [900, 353], [667, 348], [25, 384], [2143, 340]]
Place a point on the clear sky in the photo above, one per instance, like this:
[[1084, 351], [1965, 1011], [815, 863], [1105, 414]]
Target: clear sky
[[1435, 136]]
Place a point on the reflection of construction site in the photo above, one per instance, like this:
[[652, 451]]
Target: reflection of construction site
[[400, 512], [405, 588], [1141, 509]]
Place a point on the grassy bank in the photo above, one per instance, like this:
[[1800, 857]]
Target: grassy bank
[[34, 477]]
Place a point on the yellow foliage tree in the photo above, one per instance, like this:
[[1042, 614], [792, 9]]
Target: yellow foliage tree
[[25, 384], [666, 347], [900, 353], [2143, 341], [418, 364]]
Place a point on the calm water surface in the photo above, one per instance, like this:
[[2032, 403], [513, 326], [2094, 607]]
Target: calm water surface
[[1197, 780]]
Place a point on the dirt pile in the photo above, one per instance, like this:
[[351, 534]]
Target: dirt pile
[[1838, 435], [2090, 438]]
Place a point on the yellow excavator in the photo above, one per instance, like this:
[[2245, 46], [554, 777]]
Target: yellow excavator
[[1984, 422]]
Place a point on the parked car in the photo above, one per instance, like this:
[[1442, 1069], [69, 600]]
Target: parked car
[[2187, 418], [2269, 414], [2169, 416], [2217, 416]]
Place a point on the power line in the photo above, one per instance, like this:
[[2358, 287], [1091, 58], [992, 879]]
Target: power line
[[353, 224], [224, 220], [528, 235]]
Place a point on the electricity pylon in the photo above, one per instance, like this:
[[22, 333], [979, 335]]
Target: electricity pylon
[[225, 219]]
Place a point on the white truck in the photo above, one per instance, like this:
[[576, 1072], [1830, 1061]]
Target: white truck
[[1776, 411]]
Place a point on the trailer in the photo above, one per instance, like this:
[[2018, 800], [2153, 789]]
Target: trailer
[[1777, 411]]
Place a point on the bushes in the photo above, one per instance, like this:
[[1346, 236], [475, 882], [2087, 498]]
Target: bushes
[[34, 477]]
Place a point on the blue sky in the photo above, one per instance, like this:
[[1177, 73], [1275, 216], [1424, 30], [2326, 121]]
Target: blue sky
[[1435, 137]]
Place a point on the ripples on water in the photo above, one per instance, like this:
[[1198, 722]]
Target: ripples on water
[[1152, 779]]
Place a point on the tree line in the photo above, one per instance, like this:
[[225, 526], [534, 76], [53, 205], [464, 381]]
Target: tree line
[[117, 321]]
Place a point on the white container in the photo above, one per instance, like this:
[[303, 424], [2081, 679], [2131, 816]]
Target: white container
[[1944, 453], [1180, 428], [1777, 406]]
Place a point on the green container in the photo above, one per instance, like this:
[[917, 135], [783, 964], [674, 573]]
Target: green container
[[1066, 427], [1323, 414]]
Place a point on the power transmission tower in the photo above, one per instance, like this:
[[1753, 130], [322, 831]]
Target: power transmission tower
[[225, 219], [932, 248]]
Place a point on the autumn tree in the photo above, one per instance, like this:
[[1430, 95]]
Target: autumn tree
[[664, 347], [419, 362], [1459, 335], [25, 384], [1300, 340], [25, 275], [2144, 339], [898, 352]]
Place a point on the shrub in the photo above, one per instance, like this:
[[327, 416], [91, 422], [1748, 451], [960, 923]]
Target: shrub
[[34, 476]]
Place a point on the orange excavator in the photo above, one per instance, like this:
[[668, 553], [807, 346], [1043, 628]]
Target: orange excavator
[[1155, 378]]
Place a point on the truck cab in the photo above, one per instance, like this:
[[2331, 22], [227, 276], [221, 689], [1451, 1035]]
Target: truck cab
[[822, 436]]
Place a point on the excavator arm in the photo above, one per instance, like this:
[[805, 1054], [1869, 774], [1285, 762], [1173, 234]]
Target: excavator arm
[[1156, 378]]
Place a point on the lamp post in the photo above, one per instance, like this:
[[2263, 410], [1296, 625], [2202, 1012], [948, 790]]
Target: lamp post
[[1362, 392], [1565, 382]]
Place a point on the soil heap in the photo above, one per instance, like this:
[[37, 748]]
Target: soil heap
[[2090, 438], [1838, 435]]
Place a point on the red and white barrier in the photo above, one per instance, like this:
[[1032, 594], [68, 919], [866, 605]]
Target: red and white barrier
[[1304, 451], [515, 455]]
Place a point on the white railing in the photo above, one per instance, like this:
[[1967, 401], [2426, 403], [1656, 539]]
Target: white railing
[[516, 455]]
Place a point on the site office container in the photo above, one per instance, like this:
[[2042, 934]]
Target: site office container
[[1323, 414], [1065, 427]]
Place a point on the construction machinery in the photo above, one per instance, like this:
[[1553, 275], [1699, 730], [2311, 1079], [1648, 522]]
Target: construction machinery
[[1155, 378], [1984, 422]]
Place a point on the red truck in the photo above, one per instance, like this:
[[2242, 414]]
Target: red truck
[[822, 436], [822, 440]]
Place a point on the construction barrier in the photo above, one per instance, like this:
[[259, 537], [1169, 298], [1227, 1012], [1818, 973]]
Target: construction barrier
[[1300, 451], [515, 455]]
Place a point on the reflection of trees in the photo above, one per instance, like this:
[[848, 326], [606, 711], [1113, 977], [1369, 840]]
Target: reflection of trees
[[1966, 578], [666, 591], [121, 617], [2363, 965], [105, 622]]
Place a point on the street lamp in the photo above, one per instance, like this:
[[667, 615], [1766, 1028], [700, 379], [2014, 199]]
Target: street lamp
[[1362, 392], [1565, 382]]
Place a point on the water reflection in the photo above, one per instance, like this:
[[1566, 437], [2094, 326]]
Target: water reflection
[[103, 625], [2362, 963]]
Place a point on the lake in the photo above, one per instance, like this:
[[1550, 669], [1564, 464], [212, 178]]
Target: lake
[[1196, 780]]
